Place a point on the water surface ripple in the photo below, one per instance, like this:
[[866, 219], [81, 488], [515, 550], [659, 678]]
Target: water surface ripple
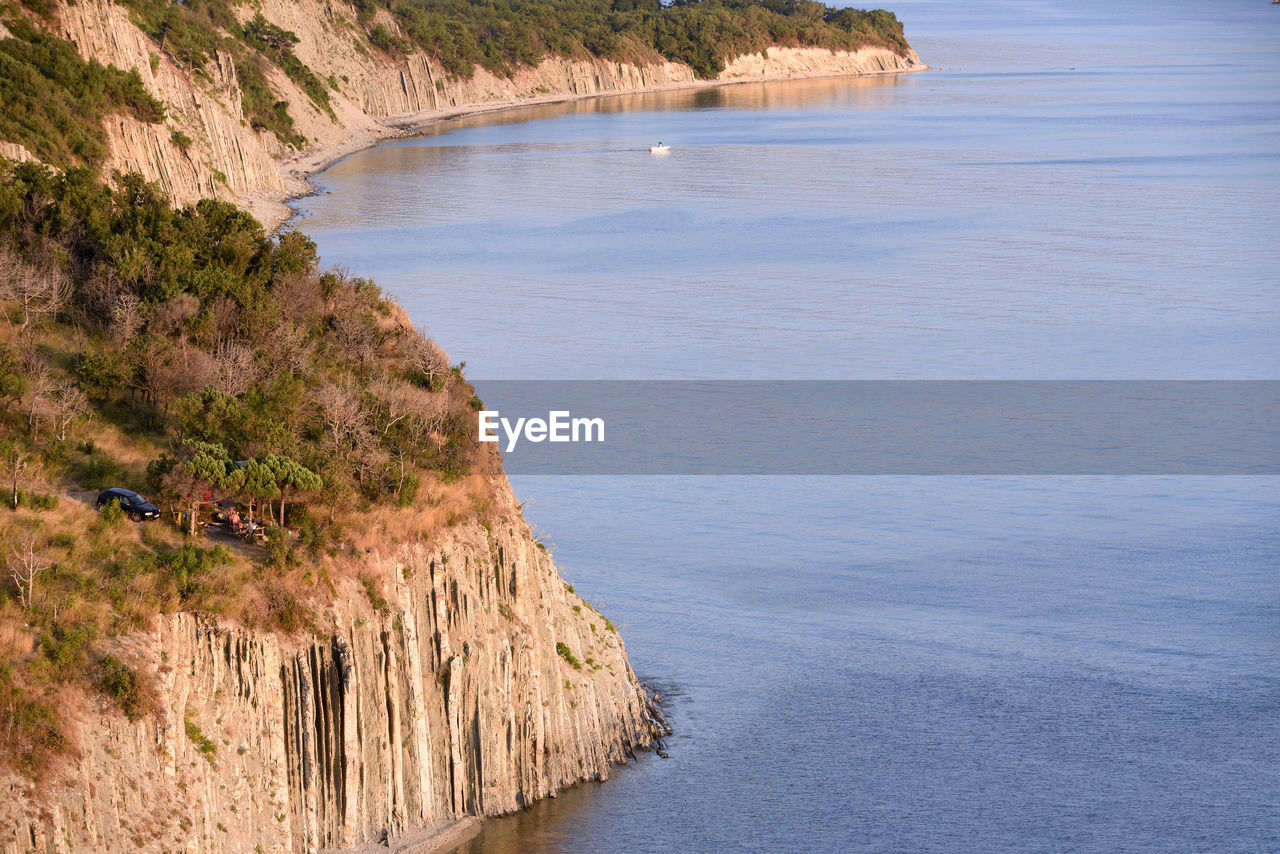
[[1078, 191]]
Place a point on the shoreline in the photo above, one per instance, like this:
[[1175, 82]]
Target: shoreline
[[273, 212], [437, 839], [298, 170]]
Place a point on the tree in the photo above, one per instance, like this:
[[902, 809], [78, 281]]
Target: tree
[[290, 349], [358, 336], [344, 416], [396, 401], [253, 480], [163, 374], [208, 415], [429, 414], [207, 465], [11, 270], [126, 317], [100, 374], [234, 371], [26, 561], [16, 459], [40, 388], [38, 292], [275, 38], [66, 404], [291, 477], [425, 357], [13, 379]]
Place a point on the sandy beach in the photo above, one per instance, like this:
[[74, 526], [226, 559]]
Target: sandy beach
[[438, 839]]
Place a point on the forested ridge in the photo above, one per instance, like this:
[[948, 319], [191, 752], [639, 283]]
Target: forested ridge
[[53, 101], [184, 354], [502, 34], [704, 34]]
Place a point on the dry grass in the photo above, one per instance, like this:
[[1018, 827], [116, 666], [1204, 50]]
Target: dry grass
[[440, 506], [129, 452], [16, 640]]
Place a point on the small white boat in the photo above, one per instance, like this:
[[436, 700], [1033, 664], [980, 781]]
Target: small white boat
[[659, 149]]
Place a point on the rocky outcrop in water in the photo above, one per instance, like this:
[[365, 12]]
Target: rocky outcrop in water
[[450, 699]]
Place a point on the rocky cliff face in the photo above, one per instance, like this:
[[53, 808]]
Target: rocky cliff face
[[450, 700], [226, 158], [229, 159]]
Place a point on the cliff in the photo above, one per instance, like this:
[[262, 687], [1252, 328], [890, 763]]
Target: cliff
[[449, 700], [475, 681], [375, 96]]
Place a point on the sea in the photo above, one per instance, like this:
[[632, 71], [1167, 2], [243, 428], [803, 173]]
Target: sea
[[1029, 662]]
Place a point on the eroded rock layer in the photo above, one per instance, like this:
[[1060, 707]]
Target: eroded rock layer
[[448, 699]]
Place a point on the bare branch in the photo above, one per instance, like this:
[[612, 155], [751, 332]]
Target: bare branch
[[343, 415], [425, 356], [126, 317], [40, 293], [234, 371], [65, 405], [26, 561]]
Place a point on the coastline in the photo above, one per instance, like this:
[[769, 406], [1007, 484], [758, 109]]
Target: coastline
[[440, 839], [273, 212]]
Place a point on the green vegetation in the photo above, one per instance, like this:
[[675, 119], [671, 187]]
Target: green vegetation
[[192, 32], [277, 44], [203, 743], [122, 683], [261, 107], [500, 34], [567, 654], [183, 353], [53, 102]]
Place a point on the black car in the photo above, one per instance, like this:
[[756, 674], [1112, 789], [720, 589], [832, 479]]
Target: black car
[[134, 505]]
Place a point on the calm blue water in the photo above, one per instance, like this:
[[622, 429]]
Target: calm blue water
[[1078, 191]]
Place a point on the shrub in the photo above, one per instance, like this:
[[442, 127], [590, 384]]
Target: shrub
[[53, 101], [567, 654], [64, 651], [124, 686], [101, 374], [191, 566], [376, 599], [112, 515], [261, 107], [279, 552], [284, 609], [37, 501], [100, 471], [203, 743], [30, 730], [384, 40]]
